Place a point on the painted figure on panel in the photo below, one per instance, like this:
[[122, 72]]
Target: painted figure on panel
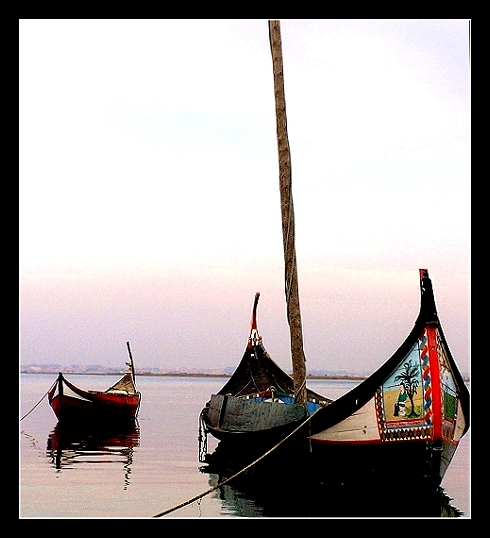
[[409, 378], [403, 397], [400, 403]]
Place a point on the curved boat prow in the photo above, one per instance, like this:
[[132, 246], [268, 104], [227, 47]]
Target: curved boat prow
[[256, 406], [415, 407]]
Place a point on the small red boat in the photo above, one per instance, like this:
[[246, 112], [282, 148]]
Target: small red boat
[[119, 402]]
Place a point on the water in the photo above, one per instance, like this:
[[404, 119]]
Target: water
[[154, 467]]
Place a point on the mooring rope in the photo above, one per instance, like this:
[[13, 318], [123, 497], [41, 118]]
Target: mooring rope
[[44, 396], [210, 490]]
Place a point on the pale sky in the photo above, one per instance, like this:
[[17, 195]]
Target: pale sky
[[149, 190]]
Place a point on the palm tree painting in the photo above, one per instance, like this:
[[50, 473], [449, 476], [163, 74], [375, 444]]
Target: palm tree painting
[[409, 379], [402, 391]]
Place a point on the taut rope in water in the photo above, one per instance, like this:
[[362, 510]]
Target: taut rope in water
[[210, 490], [44, 396]]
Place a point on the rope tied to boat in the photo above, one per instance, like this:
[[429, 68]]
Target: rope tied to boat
[[250, 465], [202, 438], [44, 396]]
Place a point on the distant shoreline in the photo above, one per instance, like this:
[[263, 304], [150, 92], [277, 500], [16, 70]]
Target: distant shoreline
[[193, 374], [347, 377], [197, 374]]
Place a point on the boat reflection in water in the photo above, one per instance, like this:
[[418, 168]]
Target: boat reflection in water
[[270, 489], [70, 446]]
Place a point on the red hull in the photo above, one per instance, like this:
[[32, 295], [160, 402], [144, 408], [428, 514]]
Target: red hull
[[122, 407], [81, 405]]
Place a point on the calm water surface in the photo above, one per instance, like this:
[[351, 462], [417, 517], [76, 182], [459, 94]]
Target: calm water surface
[[155, 466]]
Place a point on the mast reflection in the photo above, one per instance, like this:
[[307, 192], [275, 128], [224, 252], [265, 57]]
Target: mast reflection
[[70, 446]]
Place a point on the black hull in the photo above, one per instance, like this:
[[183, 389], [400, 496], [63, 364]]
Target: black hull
[[396, 465], [347, 481], [426, 461], [269, 450]]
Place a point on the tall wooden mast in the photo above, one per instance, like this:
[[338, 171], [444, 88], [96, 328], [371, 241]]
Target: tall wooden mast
[[287, 212]]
